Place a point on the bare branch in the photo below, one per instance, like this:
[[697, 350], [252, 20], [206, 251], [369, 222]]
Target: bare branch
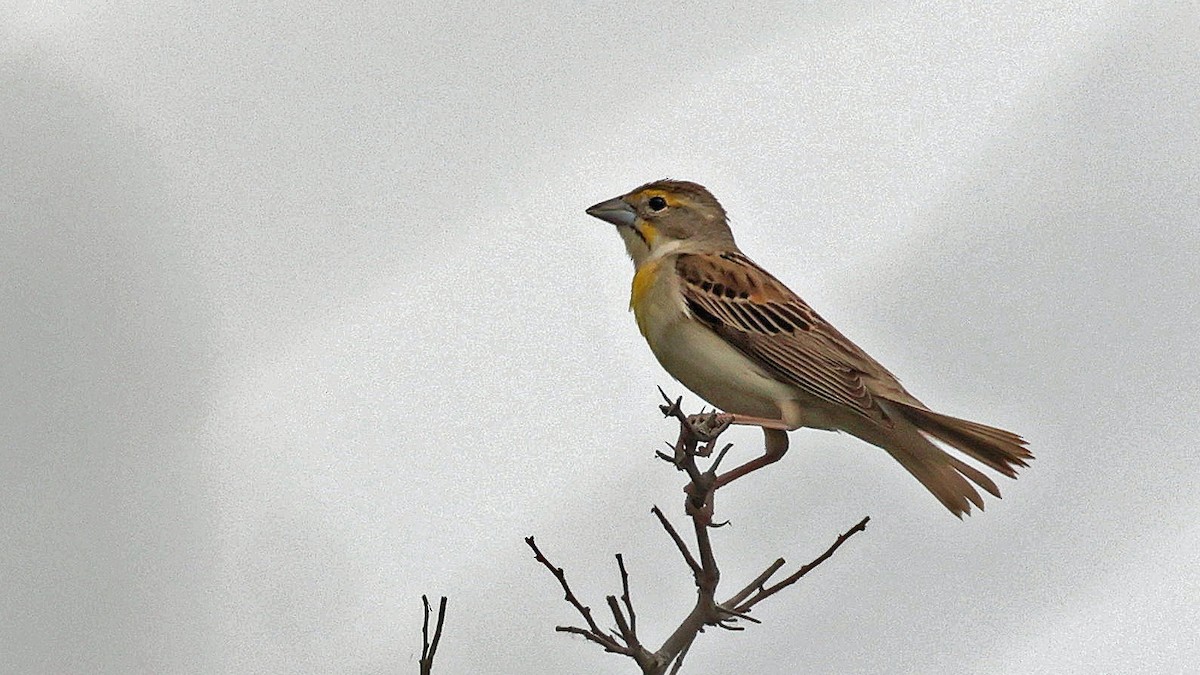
[[754, 585], [679, 657], [679, 543], [623, 626], [601, 639], [709, 574], [672, 408], [772, 590], [625, 594], [720, 456], [429, 647], [697, 438], [594, 632], [736, 615]]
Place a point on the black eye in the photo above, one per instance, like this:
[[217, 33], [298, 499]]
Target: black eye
[[657, 203]]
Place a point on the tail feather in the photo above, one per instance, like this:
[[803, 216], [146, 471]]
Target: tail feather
[[978, 477], [1001, 450], [947, 477], [940, 473]]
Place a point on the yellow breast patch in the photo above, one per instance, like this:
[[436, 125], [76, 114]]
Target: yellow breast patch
[[643, 281]]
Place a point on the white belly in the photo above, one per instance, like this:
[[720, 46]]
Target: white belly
[[706, 364], [718, 373]]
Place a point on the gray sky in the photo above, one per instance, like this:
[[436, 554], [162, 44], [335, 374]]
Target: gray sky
[[303, 319]]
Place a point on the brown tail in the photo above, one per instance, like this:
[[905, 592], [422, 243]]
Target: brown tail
[[1001, 450], [943, 474]]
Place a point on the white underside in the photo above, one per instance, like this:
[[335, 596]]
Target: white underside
[[716, 371]]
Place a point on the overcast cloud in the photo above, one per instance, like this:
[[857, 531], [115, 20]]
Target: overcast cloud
[[302, 318]]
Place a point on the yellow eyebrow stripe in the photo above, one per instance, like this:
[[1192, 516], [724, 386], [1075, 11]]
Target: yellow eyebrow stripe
[[671, 198]]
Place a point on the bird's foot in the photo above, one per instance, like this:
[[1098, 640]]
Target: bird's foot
[[706, 427]]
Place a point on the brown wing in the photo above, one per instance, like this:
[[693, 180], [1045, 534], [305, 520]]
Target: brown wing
[[756, 313]]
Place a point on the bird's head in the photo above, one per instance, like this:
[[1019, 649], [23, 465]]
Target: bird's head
[[665, 216]]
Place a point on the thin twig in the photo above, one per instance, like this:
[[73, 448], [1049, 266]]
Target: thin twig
[[599, 638], [623, 626], [757, 584], [673, 409], [736, 615], [596, 634], [720, 456], [771, 590], [625, 594], [679, 543], [429, 647]]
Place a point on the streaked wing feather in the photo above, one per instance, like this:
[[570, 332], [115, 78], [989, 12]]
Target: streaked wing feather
[[756, 313]]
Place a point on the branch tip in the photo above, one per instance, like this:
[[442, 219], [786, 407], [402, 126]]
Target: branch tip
[[429, 647]]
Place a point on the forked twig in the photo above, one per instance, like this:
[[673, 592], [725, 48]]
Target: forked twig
[[764, 593], [429, 647], [593, 631], [625, 594]]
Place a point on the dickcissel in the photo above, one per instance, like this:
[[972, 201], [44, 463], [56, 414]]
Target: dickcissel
[[744, 342]]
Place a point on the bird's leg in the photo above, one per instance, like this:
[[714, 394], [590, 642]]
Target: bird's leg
[[776, 446], [764, 422], [707, 426]]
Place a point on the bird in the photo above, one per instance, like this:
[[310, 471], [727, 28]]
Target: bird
[[741, 340]]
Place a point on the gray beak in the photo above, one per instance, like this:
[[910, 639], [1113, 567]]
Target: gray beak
[[614, 211]]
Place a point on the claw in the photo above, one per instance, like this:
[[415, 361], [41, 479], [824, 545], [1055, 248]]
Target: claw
[[707, 426]]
